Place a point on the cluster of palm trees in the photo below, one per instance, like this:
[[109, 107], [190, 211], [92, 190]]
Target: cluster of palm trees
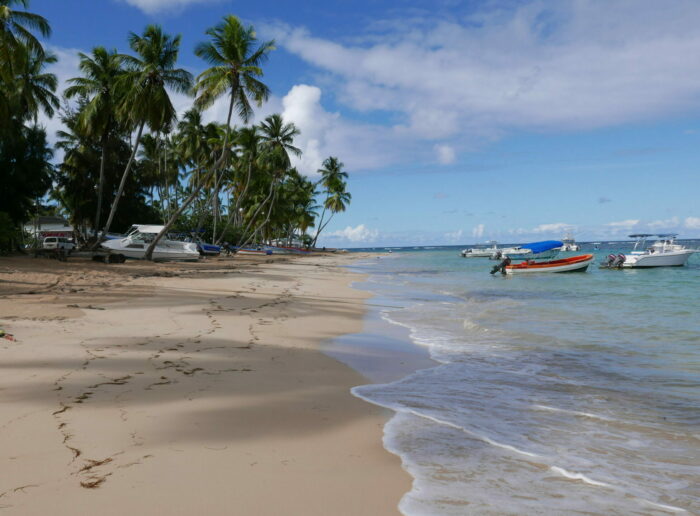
[[127, 155], [25, 89]]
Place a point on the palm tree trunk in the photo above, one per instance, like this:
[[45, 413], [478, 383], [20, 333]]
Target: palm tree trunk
[[101, 185], [252, 219], [195, 191], [320, 222], [239, 200], [185, 204], [323, 227], [115, 203]]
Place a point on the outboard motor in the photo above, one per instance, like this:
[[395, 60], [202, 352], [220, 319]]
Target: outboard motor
[[619, 260], [609, 261], [501, 266]]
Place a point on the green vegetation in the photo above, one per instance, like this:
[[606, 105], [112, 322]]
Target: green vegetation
[[127, 158]]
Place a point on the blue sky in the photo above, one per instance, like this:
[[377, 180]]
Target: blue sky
[[461, 122]]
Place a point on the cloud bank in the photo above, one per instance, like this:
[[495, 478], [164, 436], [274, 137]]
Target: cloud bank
[[452, 85], [156, 6]]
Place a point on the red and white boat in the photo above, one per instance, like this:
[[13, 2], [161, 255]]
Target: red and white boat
[[573, 264]]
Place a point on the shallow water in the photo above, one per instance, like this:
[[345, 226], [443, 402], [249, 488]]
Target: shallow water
[[554, 394]]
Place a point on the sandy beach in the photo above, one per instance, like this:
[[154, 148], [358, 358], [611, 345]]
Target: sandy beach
[[186, 388]]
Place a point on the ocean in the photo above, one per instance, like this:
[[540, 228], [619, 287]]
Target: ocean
[[550, 394]]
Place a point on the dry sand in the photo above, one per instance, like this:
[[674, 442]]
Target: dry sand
[[184, 389]]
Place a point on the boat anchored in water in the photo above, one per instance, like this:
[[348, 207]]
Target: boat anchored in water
[[571, 264], [544, 250], [136, 242], [481, 252], [569, 244], [665, 252]]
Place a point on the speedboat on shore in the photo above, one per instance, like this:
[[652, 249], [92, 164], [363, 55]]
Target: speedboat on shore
[[665, 252], [571, 264], [136, 242], [251, 251], [544, 250], [481, 252], [569, 244]]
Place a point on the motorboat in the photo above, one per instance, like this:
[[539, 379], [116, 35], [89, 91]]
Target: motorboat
[[279, 249], [665, 252], [136, 242], [569, 244], [481, 252], [545, 250], [251, 251], [571, 264]]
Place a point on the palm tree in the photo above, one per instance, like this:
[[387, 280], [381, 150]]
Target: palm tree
[[247, 142], [277, 138], [16, 27], [332, 174], [33, 88], [101, 73], [145, 87], [337, 201], [235, 70]]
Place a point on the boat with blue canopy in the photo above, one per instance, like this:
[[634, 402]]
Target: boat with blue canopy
[[544, 250]]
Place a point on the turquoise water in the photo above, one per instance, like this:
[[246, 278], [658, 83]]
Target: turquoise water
[[553, 394]]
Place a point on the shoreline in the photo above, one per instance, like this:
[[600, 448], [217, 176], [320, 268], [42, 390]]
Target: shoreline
[[188, 388]]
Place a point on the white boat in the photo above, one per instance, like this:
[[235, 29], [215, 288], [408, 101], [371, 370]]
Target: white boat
[[569, 244], [481, 252], [665, 252], [571, 264], [136, 242]]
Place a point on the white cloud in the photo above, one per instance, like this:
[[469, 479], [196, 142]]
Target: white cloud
[[623, 224], [692, 222], [556, 227], [324, 134], [669, 223], [478, 231], [549, 64], [155, 6], [445, 154], [454, 237], [360, 233]]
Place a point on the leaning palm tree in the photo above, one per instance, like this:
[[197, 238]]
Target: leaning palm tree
[[145, 86], [337, 202], [235, 70], [98, 86], [332, 174]]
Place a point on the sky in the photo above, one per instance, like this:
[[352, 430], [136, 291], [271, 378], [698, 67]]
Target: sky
[[462, 121]]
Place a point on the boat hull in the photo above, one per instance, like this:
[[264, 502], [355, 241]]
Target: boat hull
[[669, 259], [477, 254], [251, 252], [164, 252], [573, 264]]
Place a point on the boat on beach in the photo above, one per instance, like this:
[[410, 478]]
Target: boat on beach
[[251, 251], [136, 242], [572, 264]]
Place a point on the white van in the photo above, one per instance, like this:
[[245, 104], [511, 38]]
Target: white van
[[58, 243]]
